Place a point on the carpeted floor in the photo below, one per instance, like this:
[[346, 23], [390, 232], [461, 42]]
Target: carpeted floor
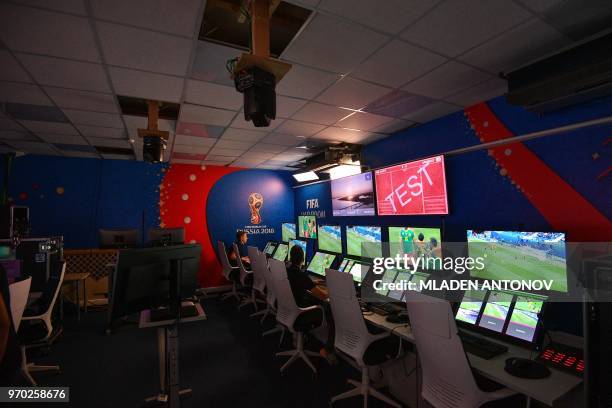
[[224, 360]]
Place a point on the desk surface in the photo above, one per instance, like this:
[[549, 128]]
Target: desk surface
[[145, 318], [546, 390]]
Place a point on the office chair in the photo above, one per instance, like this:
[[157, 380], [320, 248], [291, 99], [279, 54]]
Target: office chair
[[41, 311], [246, 278], [258, 290], [19, 292], [448, 380], [298, 320], [354, 339], [229, 272], [270, 299]]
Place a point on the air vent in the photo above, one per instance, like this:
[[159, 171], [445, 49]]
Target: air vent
[[139, 107], [226, 22]]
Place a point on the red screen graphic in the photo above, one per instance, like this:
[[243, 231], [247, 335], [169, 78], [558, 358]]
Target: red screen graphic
[[417, 187]]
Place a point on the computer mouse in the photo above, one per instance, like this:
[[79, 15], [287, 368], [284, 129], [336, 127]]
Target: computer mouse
[[397, 318], [525, 368]]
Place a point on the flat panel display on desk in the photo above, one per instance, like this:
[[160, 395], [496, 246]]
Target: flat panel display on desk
[[413, 188], [353, 195]]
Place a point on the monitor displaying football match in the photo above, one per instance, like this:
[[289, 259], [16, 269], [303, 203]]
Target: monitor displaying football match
[[307, 225], [364, 241], [416, 242], [353, 195], [413, 188], [320, 262], [512, 255], [287, 231], [330, 238], [281, 252], [523, 322]]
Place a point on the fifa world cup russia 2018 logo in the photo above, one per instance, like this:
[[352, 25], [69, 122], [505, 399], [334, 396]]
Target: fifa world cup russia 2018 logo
[[255, 203]]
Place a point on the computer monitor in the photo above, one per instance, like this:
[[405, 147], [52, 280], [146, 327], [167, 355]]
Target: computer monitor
[[288, 231], [344, 264], [398, 294], [146, 278], [330, 238], [470, 306], [166, 236], [387, 277], [302, 244], [495, 311], [370, 236], [353, 195], [307, 225], [359, 270], [281, 252], [415, 241], [518, 255], [269, 248], [320, 262], [118, 238], [523, 323]]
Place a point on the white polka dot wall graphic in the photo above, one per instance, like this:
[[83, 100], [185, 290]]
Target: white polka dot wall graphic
[[193, 241], [187, 220], [508, 152], [503, 172], [203, 167], [185, 197], [192, 177], [486, 124]]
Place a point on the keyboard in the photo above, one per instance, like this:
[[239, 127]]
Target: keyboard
[[383, 309], [480, 346]]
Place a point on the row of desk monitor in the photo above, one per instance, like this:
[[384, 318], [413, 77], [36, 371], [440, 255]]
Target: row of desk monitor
[[513, 314]]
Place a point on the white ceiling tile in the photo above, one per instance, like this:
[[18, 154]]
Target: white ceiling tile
[[294, 127], [209, 94], [247, 163], [319, 113], [431, 112], [217, 151], [203, 114], [304, 82], [33, 147], [146, 85], [23, 93], [240, 123], [49, 127], [65, 73], [394, 126], [191, 149], [94, 118], [209, 63], [194, 140], [106, 142], [265, 166], [268, 148], [233, 144], [286, 107], [446, 80], [141, 49], [101, 132], [66, 6], [136, 122], [479, 93], [336, 134], [333, 44], [16, 135], [160, 15], [217, 158], [9, 124], [283, 139], [216, 162], [352, 93], [290, 157], [253, 155], [63, 139], [42, 32], [94, 101], [364, 121], [10, 70], [243, 135], [456, 26], [397, 63], [528, 41], [390, 16], [373, 137]]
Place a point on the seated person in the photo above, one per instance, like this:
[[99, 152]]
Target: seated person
[[241, 240], [306, 293]]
